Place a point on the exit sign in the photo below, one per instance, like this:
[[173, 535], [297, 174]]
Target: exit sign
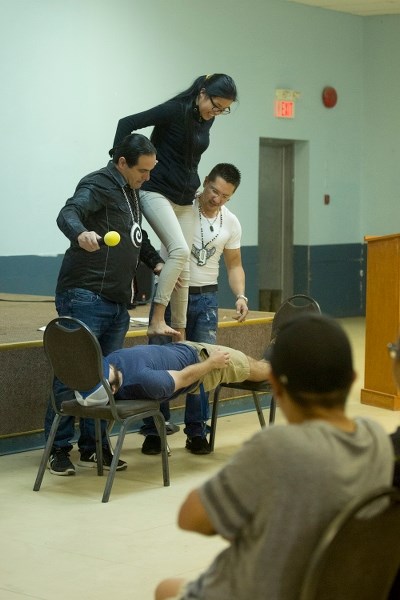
[[284, 109]]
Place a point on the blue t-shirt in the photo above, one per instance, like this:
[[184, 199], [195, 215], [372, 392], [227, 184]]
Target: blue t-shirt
[[144, 370]]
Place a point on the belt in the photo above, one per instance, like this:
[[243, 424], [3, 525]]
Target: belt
[[203, 289]]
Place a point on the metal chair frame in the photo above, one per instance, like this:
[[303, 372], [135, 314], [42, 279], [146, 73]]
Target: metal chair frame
[[75, 358], [298, 303], [358, 555]]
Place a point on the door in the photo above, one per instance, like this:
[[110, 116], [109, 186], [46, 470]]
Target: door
[[275, 222]]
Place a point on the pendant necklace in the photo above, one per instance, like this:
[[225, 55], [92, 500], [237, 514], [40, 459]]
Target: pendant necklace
[[210, 224], [136, 232], [207, 219], [203, 254]]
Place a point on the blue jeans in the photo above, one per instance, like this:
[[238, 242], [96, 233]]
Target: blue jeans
[[202, 323], [109, 322]]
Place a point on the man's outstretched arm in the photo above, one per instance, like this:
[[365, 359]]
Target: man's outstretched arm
[[218, 359]]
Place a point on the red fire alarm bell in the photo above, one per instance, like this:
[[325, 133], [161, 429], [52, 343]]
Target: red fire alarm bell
[[329, 96]]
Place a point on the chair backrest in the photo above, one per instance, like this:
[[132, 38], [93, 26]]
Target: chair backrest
[[74, 354], [292, 306], [358, 556]]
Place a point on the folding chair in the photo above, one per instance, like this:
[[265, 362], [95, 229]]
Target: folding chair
[[296, 304], [358, 556], [75, 358]]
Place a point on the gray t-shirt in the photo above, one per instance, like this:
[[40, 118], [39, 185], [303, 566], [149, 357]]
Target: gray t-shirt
[[276, 496]]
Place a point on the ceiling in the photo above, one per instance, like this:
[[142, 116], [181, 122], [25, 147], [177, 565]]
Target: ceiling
[[365, 8]]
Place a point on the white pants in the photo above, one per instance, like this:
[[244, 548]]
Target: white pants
[[174, 225]]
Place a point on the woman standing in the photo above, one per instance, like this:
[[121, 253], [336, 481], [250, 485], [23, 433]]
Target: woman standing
[[181, 134]]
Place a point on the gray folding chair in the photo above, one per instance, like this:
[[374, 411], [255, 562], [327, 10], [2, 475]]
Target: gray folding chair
[[358, 556], [296, 304], [75, 358]]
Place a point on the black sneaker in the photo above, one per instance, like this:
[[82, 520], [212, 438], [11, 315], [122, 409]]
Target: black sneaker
[[59, 463], [198, 445], [151, 445], [89, 460], [171, 428]]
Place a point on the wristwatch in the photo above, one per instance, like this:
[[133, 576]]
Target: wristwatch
[[242, 296]]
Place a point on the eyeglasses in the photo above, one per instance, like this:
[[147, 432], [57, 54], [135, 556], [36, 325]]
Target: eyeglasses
[[217, 110], [224, 197]]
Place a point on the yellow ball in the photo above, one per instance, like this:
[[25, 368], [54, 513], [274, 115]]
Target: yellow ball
[[112, 238]]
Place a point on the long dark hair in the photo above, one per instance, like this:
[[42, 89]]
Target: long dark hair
[[217, 84]]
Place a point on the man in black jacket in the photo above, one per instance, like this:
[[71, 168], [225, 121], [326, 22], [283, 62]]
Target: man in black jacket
[[95, 283]]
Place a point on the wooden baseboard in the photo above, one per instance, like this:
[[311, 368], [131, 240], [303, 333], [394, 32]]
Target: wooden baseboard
[[379, 399]]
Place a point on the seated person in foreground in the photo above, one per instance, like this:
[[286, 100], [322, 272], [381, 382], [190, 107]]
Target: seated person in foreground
[[394, 350], [275, 497], [163, 372]]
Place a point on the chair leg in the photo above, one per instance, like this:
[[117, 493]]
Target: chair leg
[[259, 409], [108, 433], [160, 424], [99, 446], [114, 462], [46, 453], [214, 417], [272, 411]]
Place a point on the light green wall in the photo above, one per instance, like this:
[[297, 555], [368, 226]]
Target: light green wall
[[381, 127], [71, 68]]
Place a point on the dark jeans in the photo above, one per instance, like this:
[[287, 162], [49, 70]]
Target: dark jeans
[[202, 323], [109, 322]]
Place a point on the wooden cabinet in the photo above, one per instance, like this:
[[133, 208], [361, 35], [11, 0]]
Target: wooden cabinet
[[382, 320]]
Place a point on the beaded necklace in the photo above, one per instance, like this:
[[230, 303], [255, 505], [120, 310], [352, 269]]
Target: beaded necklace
[[203, 254]]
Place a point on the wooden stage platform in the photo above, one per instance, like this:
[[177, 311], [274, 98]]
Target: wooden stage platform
[[24, 377]]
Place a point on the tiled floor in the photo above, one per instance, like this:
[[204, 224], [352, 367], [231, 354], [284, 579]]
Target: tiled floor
[[63, 543]]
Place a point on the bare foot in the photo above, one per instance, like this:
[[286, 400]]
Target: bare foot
[[161, 328]]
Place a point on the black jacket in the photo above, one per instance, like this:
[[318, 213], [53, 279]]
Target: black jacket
[[175, 175], [99, 205]]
